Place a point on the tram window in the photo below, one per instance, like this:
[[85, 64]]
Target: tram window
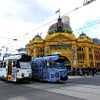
[[4, 65], [50, 64], [32, 63], [40, 65], [44, 64], [14, 63], [1, 64], [47, 65], [18, 65]]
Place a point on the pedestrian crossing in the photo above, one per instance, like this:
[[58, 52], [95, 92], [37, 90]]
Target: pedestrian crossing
[[83, 91], [88, 92]]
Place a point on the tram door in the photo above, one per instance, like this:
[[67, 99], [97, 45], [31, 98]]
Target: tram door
[[9, 70], [44, 75]]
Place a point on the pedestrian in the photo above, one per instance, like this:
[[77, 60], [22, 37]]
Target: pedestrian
[[92, 72], [95, 73], [68, 72], [81, 73], [87, 72]]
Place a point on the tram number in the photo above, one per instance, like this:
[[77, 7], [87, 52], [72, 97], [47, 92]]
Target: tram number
[[61, 57]]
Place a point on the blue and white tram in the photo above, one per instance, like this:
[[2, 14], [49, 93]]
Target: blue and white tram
[[16, 67], [49, 68]]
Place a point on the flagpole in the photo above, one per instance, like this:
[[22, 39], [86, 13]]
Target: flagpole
[[59, 12]]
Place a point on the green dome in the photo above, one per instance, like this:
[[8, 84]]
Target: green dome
[[82, 35], [59, 27]]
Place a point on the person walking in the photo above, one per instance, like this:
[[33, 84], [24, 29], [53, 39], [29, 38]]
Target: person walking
[[95, 73], [92, 72], [81, 73], [87, 72]]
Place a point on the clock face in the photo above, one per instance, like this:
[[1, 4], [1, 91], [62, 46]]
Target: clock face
[[60, 40]]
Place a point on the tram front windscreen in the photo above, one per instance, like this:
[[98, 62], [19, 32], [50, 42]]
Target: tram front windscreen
[[61, 62]]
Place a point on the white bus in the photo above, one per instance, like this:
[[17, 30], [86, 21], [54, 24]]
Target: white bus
[[16, 67]]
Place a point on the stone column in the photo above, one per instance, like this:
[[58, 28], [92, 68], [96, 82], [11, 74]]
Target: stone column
[[87, 56], [47, 49], [93, 57], [74, 54], [35, 53]]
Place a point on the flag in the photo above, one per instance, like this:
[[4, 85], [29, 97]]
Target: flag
[[57, 11]]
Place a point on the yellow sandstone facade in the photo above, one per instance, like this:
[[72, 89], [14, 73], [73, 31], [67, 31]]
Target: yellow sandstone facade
[[80, 52]]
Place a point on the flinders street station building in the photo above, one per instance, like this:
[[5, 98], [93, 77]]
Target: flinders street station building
[[81, 52]]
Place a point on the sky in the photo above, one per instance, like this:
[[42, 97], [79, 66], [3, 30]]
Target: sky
[[23, 19]]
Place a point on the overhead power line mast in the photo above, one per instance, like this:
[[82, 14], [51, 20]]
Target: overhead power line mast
[[86, 2]]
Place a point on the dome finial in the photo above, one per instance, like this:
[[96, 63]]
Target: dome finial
[[82, 32]]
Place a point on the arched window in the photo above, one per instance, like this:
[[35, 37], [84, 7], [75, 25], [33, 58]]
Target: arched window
[[41, 52], [80, 49], [90, 49], [31, 50], [80, 56]]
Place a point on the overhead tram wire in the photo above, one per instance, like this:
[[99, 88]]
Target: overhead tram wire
[[15, 39], [73, 31], [61, 16], [52, 21], [87, 26], [6, 45], [49, 22], [38, 28], [5, 38]]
